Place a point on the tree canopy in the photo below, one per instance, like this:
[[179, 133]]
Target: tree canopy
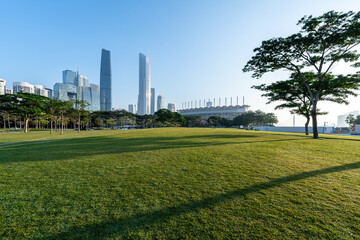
[[321, 42]]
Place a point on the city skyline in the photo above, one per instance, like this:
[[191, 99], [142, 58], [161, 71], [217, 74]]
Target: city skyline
[[197, 49]]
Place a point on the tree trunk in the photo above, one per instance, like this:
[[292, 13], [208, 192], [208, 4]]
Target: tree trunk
[[26, 124], [314, 120], [307, 126], [79, 124], [62, 124], [51, 124]]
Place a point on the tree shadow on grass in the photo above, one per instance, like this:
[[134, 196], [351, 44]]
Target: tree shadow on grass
[[322, 136], [145, 220], [64, 149]]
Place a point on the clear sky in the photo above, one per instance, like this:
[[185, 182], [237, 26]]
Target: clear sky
[[197, 48]]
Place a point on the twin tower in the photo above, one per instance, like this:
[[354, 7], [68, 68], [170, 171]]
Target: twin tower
[[145, 101]]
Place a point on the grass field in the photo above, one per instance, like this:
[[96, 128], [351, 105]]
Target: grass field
[[178, 183]]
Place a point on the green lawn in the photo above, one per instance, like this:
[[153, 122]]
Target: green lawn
[[178, 183]]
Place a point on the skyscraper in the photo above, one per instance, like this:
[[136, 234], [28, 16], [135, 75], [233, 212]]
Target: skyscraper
[[171, 107], [161, 102], [132, 108], [144, 85], [105, 81], [76, 87], [2, 87], [153, 101]]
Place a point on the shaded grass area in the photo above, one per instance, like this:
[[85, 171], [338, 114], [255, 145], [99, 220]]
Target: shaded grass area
[[179, 183]]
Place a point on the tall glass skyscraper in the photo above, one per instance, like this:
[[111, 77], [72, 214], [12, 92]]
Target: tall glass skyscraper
[[144, 104], [152, 101], [161, 102], [105, 81], [76, 87]]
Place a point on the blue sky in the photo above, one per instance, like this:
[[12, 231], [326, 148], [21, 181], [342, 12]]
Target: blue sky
[[197, 48]]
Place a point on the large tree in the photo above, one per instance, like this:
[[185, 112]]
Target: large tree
[[28, 106], [294, 94], [321, 42]]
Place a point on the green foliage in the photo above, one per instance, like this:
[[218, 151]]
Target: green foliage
[[257, 118], [322, 42], [351, 120], [216, 121], [195, 121], [165, 117]]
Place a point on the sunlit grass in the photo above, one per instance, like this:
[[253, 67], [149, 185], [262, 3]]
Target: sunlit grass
[[178, 183]]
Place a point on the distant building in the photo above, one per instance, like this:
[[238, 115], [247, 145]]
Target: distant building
[[76, 87], [161, 102], [144, 102], [105, 81], [171, 107], [228, 112], [132, 108], [2, 87], [70, 77], [8, 91], [153, 101], [24, 87], [42, 91], [341, 119]]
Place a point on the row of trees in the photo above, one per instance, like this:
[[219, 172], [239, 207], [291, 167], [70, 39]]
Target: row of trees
[[309, 56], [42, 111], [24, 109], [247, 119]]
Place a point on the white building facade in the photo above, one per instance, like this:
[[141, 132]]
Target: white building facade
[[144, 97], [2, 87], [161, 102]]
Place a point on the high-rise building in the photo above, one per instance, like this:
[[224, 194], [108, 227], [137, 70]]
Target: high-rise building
[[105, 81], [70, 77], [144, 85], [153, 101], [23, 86], [76, 87], [132, 108], [2, 87], [161, 102], [171, 107], [41, 90]]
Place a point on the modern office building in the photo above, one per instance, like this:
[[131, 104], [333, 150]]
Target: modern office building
[[2, 87], [105, 81], [161, 102], [77, 88], [42, 91], [23, 86], [144, 102], [70, 77], [132, 108], [153, 101], [171, 107]]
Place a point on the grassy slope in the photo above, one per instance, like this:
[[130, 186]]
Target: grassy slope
[[178, 183]]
